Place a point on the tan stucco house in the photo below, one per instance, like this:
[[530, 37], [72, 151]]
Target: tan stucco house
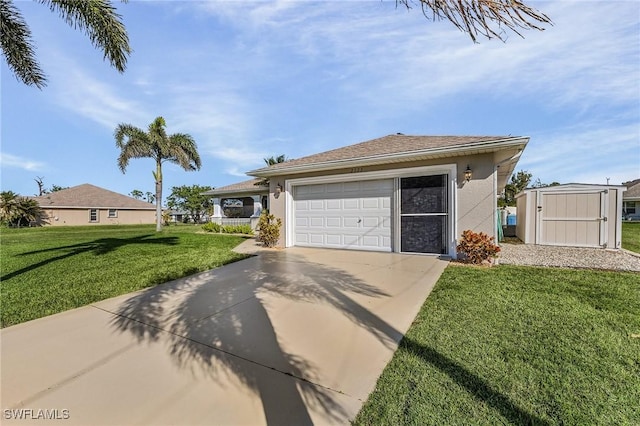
[[398, 193], [239, 203], [631, 200], [91, 205]]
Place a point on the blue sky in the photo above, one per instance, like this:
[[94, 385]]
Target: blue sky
[[253, 79]]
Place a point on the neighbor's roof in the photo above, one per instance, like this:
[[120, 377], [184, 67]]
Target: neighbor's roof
[[393, 149], [90, 196], [245, 187], [633, 190]]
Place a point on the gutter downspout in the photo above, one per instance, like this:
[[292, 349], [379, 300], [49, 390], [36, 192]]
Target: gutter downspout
[[516, 157]]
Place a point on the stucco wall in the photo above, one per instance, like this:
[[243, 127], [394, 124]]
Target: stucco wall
[[476, 199], [80, 216]]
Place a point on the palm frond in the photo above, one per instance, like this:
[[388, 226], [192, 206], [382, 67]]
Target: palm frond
[[17, 47], [488, 18], [133, 143], [100, 21], [183, 151]]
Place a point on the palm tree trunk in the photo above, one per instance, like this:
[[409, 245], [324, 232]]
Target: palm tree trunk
[[158, 176]]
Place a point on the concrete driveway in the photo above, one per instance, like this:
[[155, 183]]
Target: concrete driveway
[[294, 336]]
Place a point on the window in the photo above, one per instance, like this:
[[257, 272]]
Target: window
[[629, 208], [93, 215], [113, 213]]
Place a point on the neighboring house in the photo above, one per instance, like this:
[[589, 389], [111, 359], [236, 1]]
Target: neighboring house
[[631, 200], [240, 203], [410, 194], [91, 205]]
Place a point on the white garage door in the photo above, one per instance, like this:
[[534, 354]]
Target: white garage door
[[347, 215]]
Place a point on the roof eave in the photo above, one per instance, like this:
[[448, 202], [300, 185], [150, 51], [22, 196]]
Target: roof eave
[[258, 190], [426, 154]]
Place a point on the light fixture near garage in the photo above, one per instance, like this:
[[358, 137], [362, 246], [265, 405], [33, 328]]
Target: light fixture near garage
[[468, 174], [278, 190]]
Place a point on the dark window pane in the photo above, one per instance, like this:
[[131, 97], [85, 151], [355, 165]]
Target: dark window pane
[[424, 194], [423, 234]]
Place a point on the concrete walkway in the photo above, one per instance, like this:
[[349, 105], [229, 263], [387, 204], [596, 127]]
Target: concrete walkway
[[293, 336]]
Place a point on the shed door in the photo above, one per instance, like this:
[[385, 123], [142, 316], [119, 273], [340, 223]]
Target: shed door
[[346, 215], [572, 218]]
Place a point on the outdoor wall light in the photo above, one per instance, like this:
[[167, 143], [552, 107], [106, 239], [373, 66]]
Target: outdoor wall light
[[467, 174], [278, 190]]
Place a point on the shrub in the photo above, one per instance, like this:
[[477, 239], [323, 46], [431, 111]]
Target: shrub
[[269, 229], [237, 229], [211, 227], [476, 247]]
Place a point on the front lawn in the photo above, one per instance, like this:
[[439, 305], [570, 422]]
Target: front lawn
[[50, 270], [631, 236], [517, 345]]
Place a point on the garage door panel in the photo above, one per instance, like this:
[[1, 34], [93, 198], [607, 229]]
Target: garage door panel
[[334, 239], [351, 222], [334, 222], [334, 204], [350, 204], [353, 215], [317, 222]]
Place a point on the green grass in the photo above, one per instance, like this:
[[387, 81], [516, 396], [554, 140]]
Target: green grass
[[50, 270], [631, 236], [517, 345]]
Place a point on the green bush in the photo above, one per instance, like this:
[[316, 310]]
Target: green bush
[[211, 227], [269, 229], [237, 229], [476, 247], [227, 229]]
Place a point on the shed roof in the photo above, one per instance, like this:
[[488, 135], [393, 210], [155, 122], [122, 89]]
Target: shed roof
[[91, 196]]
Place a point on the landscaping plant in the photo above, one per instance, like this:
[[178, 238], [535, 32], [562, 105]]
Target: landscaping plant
[[269, 229], [476, 248]]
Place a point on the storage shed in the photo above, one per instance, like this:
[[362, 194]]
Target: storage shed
[[575, 214]]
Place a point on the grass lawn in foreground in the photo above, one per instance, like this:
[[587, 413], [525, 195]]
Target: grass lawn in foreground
[[517, 345], [631, 236], [53, 269]]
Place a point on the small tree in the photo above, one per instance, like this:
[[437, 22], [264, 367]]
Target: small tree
[[269, 229], [137, 194], [190, 198]]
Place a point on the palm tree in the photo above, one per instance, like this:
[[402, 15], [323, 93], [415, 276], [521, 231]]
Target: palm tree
[[179, 148], [27, 211], [270, 161], [8, 204], [97, 18]]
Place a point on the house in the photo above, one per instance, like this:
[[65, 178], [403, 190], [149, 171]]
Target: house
[[398, 193], [574, 215], [240, 203], [631, 200], [91, 205]]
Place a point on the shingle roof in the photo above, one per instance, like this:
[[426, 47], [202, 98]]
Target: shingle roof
[[239, 188], [387, 146], [633, 189], [90, 196]]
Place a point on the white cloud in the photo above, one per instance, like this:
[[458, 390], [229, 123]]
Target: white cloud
[[588, 154], [9, 160]]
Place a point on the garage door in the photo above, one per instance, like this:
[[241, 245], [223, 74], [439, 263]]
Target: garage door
[[572, 219], [347, 215]]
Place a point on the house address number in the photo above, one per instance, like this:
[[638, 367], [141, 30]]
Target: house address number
[[357, 169]]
